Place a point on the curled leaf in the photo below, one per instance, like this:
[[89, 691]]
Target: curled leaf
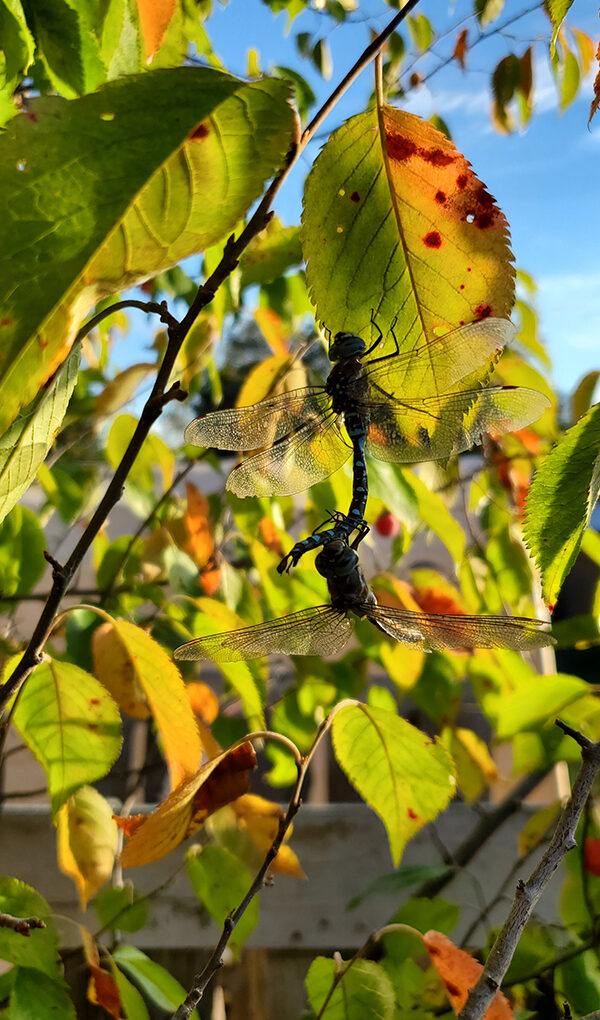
[[460, 972]]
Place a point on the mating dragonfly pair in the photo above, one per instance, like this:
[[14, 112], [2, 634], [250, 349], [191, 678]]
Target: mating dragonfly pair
[[301, 442]]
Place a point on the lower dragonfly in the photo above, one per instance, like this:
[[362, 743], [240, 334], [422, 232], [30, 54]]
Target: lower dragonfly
[[325, 630], [299, 433]]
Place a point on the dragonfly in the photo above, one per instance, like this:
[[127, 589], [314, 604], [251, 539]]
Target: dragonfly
[[325, 630], [396, 407]]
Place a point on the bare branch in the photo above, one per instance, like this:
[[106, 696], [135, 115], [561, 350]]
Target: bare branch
[[22, 925]]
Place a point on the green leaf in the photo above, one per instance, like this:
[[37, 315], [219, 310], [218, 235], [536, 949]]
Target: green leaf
[[421, 31], [72, 725], [578, 982], [154, 980], [119, 907], [400, 772], [22, 546], [131, 1000], [24, 446], [397, 881], [568, 76], [488, 10], [536, 702], [154, 453], [561, 500], [557, 11], [220, 882], [16, 42], [83, 188], [303, 94], [40, 949], [36, 996], [364, 991], [434, 513], [268, 256], [583, 393]]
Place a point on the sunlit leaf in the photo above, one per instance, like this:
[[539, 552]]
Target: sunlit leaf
[[193, 531], [67, 48], [96, 171], [273, 251], [421, 31], [460, 47], [561, 499], [460, 972], [583, 393], [72, 725], [16, 42], [488, 10], [25, 444], [155, 16], [220, 882], [259, 820], [22, 545], [557, 11], [475, 767], [121, 389], [40, 950], [216, 783], [403, 775], [154, 453], [364, 991], [536, 702], [144, 681], [87, 841], [396, 223]]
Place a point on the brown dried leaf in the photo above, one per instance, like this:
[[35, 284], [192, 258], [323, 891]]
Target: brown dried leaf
[[460, 48]]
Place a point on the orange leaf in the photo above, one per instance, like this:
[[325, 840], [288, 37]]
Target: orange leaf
[[269, 535], [102, 987], [460, 972], [155, 18], [273, 329], [260, 818], [596, 100], [460, 47], [203, 700], [210, 579], [198, 543], [129, 823], [218, 781], [433, 600]]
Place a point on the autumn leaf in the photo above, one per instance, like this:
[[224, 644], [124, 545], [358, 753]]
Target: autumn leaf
[[155, 18], [460, 972], [460, 47], [193, 532], [596, 100], [102, 987], [270, 536], [144, 681], [203, 701], [259, 819], [87, 841], [217, 782]]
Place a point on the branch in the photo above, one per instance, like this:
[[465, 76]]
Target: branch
[[529, 892], [22, 925]]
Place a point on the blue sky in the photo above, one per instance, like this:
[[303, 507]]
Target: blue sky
[[545, 179]]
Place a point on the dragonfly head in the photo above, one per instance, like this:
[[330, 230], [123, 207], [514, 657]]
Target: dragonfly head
[[346, 345], [336, 559]]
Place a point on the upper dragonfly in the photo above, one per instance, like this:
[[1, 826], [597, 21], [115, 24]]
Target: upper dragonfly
[[397, 407], [325, 630]]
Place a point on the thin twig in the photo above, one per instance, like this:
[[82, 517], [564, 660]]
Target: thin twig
[[22, 925], [529, 892]]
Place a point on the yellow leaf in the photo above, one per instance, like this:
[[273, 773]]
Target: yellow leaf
[[460, 972], [86, 841], [273, 330], [260, 818], [155, 18], [475, 768], [143, 681], [217, 782], [121, 389], [270, 376], [535, 827], [203, 700]]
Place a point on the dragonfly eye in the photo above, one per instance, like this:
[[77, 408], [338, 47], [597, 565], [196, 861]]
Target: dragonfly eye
[[336, 559], [346, 345]]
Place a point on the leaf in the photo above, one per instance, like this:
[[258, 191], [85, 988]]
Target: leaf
[[434, 513], [397, 881], [203, 701], [583, 393], [364, 991], [554, 525], [131, 999], [96, 171], [403, 775], [155, 16], [66, 46], [71, 724], [460, 972], [536, 701], [460, 47], [557, 11], [536, 826], [595, 103], [259, 820], [268, 256], [153, 979], [36, 996], [475, 768], [395, 222], [40, 949], [119, 907], [193, 532], [220, 881], [421, 31], [216, 783], [16, 43], [103, 989], [154, 453], [144, 681], [488, 10], [22, 546], [121, 389], [24, 446], [87, 841], [568, 76]]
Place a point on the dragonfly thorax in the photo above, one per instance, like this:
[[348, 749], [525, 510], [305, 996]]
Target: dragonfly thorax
[[336, 559], [346, 345]]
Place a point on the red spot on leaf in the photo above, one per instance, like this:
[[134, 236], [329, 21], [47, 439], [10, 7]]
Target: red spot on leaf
[[461, 181], [437, 157], [462, 322], [551, 605], [412, 814], [94, 701], [32, 116], [469, 270], [483, 311], [200, 131], [432, 239], [399, 147], [484, 220], [92, 726], [6, 322], [452, 988], [440, 196], [355, 197], [462, 286]]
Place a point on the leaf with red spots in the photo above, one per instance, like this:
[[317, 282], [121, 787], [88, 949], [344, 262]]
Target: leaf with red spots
[[217, 782], [403, 775], [426, 242], [70, 723], [141, 187], [460, 972]]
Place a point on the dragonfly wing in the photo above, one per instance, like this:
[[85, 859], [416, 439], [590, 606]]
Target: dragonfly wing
[[435, 428], [314, 452], [435, 632], [259, 425], [436, 366], [319, 631]]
